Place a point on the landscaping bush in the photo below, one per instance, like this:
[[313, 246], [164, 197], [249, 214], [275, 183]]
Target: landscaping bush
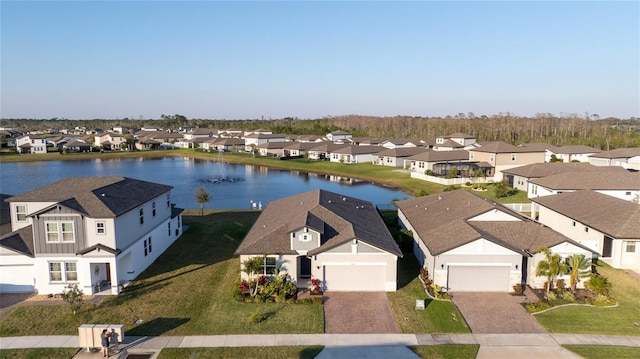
[[537, 307], [567, 296], [518, 289], [451, 188], [598, 284]]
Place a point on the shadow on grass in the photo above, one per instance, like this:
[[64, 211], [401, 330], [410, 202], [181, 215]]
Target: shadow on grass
[[408, 269], [157, 326]]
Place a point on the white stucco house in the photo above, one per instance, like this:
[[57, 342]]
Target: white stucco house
[[469, 243], [340, 240], [620, 184], [31, 144], [628, 158], [519, 177], [96, 232], [608, 225], [354, 154]]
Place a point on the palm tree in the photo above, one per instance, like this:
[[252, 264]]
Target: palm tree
[[579, 267], [551, 266], [252, 267], [202, 197]]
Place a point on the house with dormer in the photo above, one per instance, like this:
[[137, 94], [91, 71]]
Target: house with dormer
[[96, 232], [341, 240], [502, 156]]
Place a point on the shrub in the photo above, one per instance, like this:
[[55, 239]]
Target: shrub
[[602, 300], [537, 307], [560, 284], [518, 289], [451, 188], [568, 296], [598, 284], [474, 186], [72, 295], [468, 184], [428, 172], [551, 296]]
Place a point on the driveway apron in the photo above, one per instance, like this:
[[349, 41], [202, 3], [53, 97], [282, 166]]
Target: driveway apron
[[358, 313], [487, 313]]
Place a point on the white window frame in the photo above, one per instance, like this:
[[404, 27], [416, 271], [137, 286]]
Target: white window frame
[[101, 228], [65, 271], [630, 245], [48, 233], [153, 209], [19, 213], [269, 268], [147, 246], [306, 238], [63, 232], [141, 212], [59, 232]]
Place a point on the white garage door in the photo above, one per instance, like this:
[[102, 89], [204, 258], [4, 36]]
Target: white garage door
[[354, 277], [16, 279], [479, 278]]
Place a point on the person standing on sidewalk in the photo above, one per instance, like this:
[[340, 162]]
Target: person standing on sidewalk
[[105, 343]]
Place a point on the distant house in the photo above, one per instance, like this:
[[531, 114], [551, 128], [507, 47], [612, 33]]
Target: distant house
[[519, 177], [620, 184], [502, 156], [394, 157], [323, 150], [253, 140], [575, 153], [468, 243], [628, 158], [120, 129], [608, 225], [340, 240], [397, 143], [31, 144], [440, 162], [455, 141], [338, 136], [272, 149], [294, 149], [354, 154], [96, 232], [76, 146], [109, 141]]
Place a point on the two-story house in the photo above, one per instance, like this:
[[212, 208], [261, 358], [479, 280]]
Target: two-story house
[[340, 240], [31, 144], [502, 156], [97, 232], [109, 141]]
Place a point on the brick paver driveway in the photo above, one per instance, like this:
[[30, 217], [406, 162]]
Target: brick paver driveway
[[496, 313], [358, 312]]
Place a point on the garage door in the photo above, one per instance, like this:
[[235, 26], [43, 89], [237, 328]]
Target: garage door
[[354, 277], [479, 278], [16, 279]]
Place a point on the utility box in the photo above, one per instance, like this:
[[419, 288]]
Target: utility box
[[420, 304], [97, 332], [85, 336]]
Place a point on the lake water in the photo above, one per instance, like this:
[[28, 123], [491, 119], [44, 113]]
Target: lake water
[[231, 186]]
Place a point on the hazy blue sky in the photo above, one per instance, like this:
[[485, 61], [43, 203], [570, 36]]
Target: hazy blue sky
[[239, 60]]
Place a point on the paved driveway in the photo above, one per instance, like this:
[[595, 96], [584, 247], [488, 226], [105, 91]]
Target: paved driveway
[[358, 313], [496, 313]]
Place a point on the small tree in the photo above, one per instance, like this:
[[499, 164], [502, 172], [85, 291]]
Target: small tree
[[252, 267], [202, 197], [501, 189], [579, 266], [551, 266], [73, 296]]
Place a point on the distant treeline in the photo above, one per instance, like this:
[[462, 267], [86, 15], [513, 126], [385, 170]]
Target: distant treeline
[[609, 133]]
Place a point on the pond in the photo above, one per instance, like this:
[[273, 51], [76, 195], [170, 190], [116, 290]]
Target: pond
[[231, 186]]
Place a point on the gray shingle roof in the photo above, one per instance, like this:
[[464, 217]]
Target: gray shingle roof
[[96, 197], [503, 147], [611, 180], [20, 241], [401, 151], [340, 218], [445, 221], [618, 153], [537, 170], [612, 216], [437, 156]]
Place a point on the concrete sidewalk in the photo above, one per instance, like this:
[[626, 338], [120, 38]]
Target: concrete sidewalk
[[350, 345]]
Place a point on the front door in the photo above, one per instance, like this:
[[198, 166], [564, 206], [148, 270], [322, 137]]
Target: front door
[[606, 248], [304, 267]]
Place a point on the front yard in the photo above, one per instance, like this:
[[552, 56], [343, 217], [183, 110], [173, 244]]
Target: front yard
[[621, 320]]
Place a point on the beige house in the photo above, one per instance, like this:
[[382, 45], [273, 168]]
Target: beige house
[[502, 156], [340, 240], [468, 243], [109, 141], [394, 157], [608, 225]]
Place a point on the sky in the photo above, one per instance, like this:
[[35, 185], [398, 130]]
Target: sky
[[268, 59]]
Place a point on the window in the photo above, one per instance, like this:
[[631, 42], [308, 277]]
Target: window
[[630, 247], [147, 246], [513, 157], [492, 157], [141, 216], [57, 274], [21, 213], [471, 155], [586, 229], [168, 201], [52, 231], [628, 193], [305, 238], [269, 266], [101, 228], [574, 223], [153, 208], [169, 228], [67, 231]]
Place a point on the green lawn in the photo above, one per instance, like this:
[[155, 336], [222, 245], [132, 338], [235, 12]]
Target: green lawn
[[39, 353], [446, 351], [187, 291], [621, 320], [438, 317], [601, 351]]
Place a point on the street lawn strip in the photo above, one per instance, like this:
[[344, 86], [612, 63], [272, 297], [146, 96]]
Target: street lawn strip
[[187, 291], [604, 351], [450, 351], [39, 353], [437, 317], [620, 320], [276, 352]]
